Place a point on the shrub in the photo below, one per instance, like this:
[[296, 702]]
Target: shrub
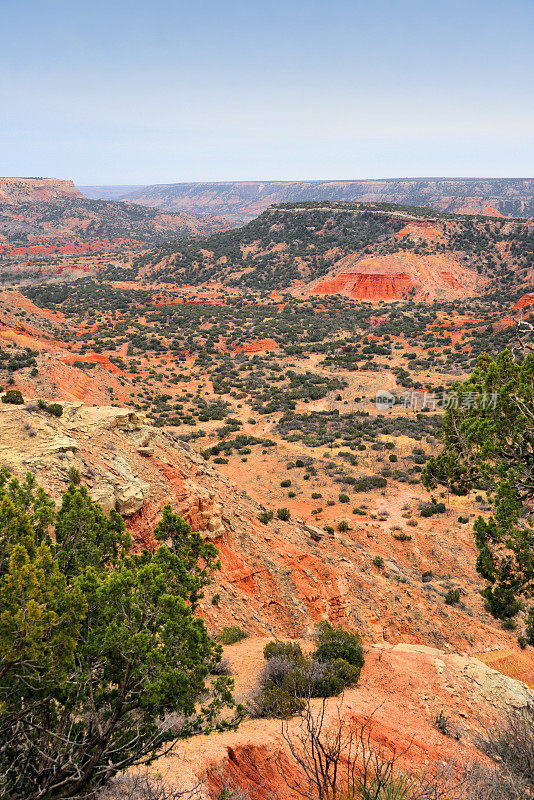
[[291, 651], [452, 597], [55, 409], [342, 525], [429, 509], [288, 676], [329, 529], [285, 484], [13, 396], [275, 701], [334, 643], [441, 722], [378, 561], [367, 484], [221, 667], [284, 514], [529, 629], [231, 635], [329, 678], [74, 475], [463, 520], [344, 498], [266, 516]]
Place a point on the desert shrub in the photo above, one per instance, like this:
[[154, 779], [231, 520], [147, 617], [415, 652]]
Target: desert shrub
[[55, 409], [329, 529], [510, 746], [285, 484], [402, 536], [344, 498], [287, 650], [231, 635], [529, 626], [275, 701], [288, 676], [342, 525], [284, 514], [13, 396], [266, 516], [429, 509], [462, 519], [329, 678], [441, 722], [74, 475], [452, 597], [335, 643], [367, 484], [221, 667], [378, 561]]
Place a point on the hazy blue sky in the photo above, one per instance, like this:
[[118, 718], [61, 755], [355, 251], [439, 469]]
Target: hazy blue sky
[[160, 91]]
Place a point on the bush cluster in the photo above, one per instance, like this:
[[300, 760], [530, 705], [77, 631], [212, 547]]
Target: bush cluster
[[289, 676]]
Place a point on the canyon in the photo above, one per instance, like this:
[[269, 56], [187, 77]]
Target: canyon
[[233, 373], [241, 201]]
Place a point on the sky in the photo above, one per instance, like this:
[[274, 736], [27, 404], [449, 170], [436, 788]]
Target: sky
[[162, 91]]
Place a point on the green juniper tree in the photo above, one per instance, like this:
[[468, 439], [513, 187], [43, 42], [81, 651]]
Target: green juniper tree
[[103, 661], [489, 442]]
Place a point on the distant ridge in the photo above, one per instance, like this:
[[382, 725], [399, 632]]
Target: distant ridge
[[108, 192], [241, 201]]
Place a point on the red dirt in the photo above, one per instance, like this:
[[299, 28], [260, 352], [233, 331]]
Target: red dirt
[[526, 300], [257, 346], [364, 286], [397, 276]]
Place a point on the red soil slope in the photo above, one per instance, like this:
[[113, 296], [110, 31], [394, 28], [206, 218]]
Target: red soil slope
[[398, 276]]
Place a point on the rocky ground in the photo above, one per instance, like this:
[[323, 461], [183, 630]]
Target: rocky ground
[[402, 687], [277, 578]]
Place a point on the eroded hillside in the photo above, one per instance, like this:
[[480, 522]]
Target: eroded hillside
[[243, 200], [369, 252]]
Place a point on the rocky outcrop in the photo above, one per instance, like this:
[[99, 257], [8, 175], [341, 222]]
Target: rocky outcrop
[[33, 190], [276, 579], [398, 276], [367, 286]]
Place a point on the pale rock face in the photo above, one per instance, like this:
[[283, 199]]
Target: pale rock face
[[130, 497], [105, 496], [59, 444]]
